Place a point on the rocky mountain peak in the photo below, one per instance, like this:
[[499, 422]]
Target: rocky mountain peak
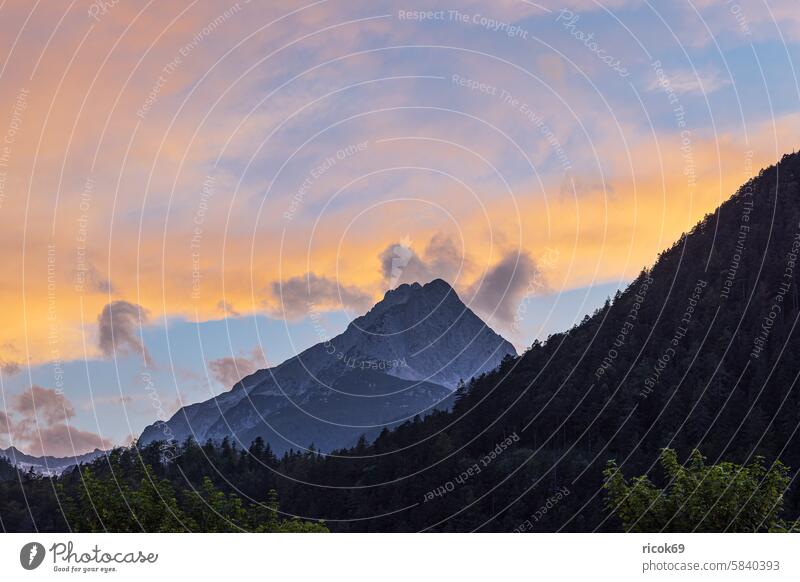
[[405, 356]]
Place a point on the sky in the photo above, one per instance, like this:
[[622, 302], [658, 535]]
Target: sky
[[183, 184]]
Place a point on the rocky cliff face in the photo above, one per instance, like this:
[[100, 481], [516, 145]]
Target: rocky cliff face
[[402, 358]]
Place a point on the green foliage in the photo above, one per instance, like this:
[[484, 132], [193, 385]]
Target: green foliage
[[124, 494], [698, 497]]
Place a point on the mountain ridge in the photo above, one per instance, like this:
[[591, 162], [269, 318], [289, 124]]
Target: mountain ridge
[[405, 356], [668, 362], [48, 464]]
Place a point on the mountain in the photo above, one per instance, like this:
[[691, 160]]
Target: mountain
[[47, 465], [403, 358], [698, 352]]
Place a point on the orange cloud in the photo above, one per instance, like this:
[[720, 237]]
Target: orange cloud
[[112, 193]]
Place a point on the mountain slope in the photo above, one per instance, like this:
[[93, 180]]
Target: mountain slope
[[700, 351], [47, 465], [403, 358]]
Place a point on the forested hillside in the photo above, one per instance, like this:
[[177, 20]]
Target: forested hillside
[[699, 352]]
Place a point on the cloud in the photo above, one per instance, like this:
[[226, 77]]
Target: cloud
[[9, 368], [115, 400], [298, 296], [39, 425], [5, 423], [227, 309], [228, 371], [496, 295], [748, 20], [64, 147], [89, 278], [399, 263], [62, 440], [9, 364], [43, 405], [499, 293], [687, 82], [119, 324]]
